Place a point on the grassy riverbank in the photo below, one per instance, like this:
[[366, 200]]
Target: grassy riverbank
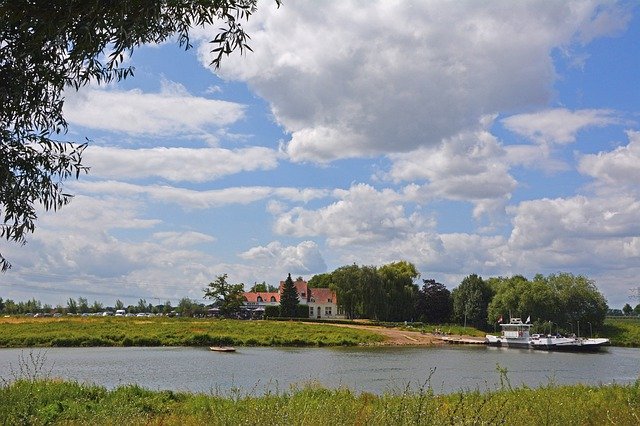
[[54, 402], [118, 331], [622, 331]]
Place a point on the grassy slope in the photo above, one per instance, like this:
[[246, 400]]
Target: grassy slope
[[54, 402], [622, 332], [111, 331]]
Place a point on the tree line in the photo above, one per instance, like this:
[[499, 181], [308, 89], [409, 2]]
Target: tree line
[[185, 307], [560, 301]]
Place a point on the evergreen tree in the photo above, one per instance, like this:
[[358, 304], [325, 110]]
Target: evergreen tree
[[288, 299]]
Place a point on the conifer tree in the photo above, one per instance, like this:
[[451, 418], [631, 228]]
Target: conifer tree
[[288, 299]]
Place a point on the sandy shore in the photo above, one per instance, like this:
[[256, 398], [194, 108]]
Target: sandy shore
[[397, 337]]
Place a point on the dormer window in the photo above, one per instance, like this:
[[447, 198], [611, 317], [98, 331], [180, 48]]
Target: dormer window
[[273, 298], [303, 294], [259, 299], [329, 300]]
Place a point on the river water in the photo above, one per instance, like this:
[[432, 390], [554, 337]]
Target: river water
[[378, 370]]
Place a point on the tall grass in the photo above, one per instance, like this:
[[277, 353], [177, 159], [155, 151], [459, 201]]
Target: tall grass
[[112, 331], [54, 402]]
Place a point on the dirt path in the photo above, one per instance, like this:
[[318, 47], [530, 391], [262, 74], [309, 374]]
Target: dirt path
[[397, 337]]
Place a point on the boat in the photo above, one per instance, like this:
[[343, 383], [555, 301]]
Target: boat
[[515, 334], [571, 344], [222, 348]]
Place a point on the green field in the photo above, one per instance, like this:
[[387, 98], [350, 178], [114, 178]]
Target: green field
[[39, 402], [115, 331]]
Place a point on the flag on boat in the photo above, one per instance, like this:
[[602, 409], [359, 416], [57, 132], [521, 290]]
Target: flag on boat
[[528, 319], [500, 319]]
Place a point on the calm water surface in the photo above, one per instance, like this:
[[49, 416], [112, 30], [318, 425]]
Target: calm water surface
[[377, 370]]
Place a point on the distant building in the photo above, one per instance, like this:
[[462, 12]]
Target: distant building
[[322, 302]]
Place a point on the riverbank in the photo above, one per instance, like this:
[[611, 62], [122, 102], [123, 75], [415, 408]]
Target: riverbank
[[56, 402], [161, 331]]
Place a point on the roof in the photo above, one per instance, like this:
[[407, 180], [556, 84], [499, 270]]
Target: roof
[[301, 288], [322, 295], [252, 296]]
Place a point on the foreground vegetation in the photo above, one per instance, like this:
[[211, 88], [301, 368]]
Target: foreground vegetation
[[622, 331], [55, 402], [162, 331]]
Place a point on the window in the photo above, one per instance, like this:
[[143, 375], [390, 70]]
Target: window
[[329, 300], [310, 310], [273, 298], [303, 294], [259, 299], [327, 310]]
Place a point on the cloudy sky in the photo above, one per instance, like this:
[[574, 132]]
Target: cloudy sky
[[491, 137]]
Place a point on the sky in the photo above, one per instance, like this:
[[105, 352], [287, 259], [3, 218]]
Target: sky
[[492, 138]]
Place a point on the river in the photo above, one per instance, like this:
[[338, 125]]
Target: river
[[378, 370]]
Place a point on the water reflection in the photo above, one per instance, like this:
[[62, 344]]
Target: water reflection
[[377, 370]]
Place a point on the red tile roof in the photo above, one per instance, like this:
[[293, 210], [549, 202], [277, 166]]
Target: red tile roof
[[252, 297], [322, 295]]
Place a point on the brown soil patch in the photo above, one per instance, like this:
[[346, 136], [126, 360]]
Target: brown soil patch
[[397, 337]]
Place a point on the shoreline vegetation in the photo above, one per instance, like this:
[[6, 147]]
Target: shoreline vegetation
[[49, 401], [22, 332]]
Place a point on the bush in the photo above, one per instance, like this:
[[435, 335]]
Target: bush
[[272, 311]]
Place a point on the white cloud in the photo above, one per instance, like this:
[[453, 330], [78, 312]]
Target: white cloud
[[617, 170], [468, 167], [189, 198], [177, 164], [304, 258], [362, 215], [557, 126], [347, 80], [173, 111]]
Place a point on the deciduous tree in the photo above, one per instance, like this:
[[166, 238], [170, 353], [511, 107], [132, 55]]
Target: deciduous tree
[[228, 297], [434, 304], [49, 46]]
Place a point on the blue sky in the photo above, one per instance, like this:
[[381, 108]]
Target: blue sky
[[494, 138]]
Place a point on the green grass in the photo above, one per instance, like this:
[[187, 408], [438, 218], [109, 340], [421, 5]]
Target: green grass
[[39, 402], [112, 331], [622, 331]]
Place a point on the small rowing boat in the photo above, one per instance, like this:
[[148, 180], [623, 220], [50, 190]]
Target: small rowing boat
[[222, 348]]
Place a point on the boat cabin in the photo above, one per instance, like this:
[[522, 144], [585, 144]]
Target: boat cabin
[[515, 329]]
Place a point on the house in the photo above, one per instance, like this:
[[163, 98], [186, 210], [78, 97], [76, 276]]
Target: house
[[322, 302]]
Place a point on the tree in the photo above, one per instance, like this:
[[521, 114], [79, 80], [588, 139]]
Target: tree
[[119, 305], [263, 287], [228, 297], [399, 289], [627, 309], [470, 301], [83, 305], [72, 306], [434, 304], [288, 299], [51, 45], [142, 305], [96, 307], [320, 281], [636, 310]]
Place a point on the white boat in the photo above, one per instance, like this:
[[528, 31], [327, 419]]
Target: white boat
[[515, 334], [572, 344], [222, 348]]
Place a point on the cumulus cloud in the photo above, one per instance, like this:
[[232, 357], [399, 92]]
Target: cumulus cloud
[[304, 258], [362, 215], [615, 170], [177, 164], [172, 111], [348, 81], [468, 167]]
